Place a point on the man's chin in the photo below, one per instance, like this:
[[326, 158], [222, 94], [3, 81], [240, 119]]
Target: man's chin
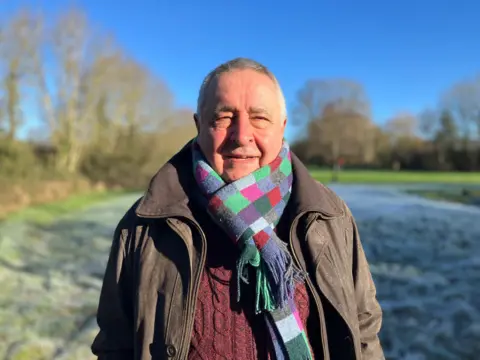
[[230, 175]]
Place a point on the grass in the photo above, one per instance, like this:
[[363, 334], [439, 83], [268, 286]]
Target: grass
[[397, 177], [46, 213], [458, 196]]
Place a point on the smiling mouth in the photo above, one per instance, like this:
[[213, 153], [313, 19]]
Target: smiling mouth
[[240, 157]]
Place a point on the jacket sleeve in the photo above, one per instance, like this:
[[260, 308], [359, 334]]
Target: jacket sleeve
[[369, 310], [114, 340]]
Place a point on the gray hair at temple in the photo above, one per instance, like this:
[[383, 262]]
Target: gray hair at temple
[[238, 64]]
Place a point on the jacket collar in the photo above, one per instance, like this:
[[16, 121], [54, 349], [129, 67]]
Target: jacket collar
[[168, 192]]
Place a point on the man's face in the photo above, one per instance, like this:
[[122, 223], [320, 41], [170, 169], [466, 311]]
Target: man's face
[[241, 125]]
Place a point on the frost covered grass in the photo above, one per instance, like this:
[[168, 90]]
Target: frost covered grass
[[424, 256], [425, 259], [460, 195], [50, 276]]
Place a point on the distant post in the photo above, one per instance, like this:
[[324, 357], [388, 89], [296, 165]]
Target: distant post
[[337, 166]]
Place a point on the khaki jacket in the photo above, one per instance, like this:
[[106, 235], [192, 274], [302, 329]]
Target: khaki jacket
[[147, 302]]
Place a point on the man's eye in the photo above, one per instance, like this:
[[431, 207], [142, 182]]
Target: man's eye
[[260, 122], [222, 121]]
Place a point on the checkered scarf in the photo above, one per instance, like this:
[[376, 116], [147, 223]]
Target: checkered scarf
[[248, 210]]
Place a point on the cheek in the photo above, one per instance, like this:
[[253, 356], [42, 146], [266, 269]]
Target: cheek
[[270, 147], [217, 138], [210, 141]]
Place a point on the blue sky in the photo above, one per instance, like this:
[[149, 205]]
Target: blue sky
[[404, 52]]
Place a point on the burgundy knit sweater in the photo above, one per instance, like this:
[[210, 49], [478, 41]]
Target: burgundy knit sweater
[[224, 329]]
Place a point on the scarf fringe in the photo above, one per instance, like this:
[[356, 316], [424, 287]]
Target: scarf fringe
[[248, 256], [284, 275], [275, 279], [264, 300]]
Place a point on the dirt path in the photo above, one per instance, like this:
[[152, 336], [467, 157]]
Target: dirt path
[[425, 257]]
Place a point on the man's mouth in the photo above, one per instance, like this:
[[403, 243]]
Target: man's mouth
[[240, 157]]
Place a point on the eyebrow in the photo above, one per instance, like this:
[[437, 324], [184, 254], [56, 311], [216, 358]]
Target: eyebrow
[[232, 109], [225, 108], [258, 110]]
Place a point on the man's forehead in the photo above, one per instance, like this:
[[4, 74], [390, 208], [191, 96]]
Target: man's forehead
[[244, 78], [255, 91]]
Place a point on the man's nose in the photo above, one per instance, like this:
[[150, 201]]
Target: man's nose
[[242, 130]]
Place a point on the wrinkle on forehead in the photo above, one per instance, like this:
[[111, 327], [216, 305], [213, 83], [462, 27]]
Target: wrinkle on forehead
[[251, 91]]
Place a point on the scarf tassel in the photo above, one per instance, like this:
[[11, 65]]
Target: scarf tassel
[[248, 256], [264, 299], [275, 279], [280, 269]]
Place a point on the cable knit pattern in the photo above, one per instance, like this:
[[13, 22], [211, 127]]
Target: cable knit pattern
[[222, 330]]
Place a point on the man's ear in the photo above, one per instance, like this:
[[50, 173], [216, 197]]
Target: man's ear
[[196, 119]]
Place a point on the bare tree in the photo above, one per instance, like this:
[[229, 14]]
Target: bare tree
[[89, 73], [128, 100], [402, 125], [176, 131], [315, 95], [70, 40], [462, 101], [428, 123], [336, 114], [402, 132], [16, 48]]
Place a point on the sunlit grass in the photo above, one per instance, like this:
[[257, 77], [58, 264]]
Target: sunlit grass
[[46, 213], [397, 177], [464, 197]]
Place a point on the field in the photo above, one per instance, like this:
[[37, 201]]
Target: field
[[397, 177], [46, 213], [459, 187], [422, 255], [52, 259]]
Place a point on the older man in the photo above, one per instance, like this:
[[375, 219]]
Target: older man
[[235, 251]]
